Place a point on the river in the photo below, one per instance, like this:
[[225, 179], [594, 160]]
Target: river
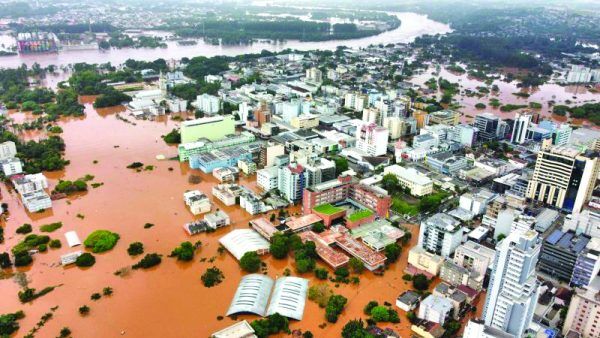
[[413, 25]]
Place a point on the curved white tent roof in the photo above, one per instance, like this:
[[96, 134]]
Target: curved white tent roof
[[240, 241], [252, 295], [289, 297]]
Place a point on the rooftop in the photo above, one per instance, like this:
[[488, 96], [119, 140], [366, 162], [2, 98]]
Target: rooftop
[[327, 209], [240, 241]]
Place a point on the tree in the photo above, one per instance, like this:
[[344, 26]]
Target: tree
[[370, 305], [355, 329], [101, 240], [318, 227], [84, 310], [173, 137], [321, 273], [392, 252], [9, 324], [279, 246], [5, 260], [135, 248], [148, 261], [390, 183], [250, 262], [184, 252], [420, 282], [85, 260], [334, 307], [107, 291], [341, 164], [356, 265], [380, 314], [24, 229], [342, 272], [212, 276]]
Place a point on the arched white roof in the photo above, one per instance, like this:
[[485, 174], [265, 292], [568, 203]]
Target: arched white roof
[[289, 297], [240, 241], [252, 295]]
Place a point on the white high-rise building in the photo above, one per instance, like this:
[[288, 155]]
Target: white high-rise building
[[314, 75], [513, 288], [372, 139], [207, 103], [440, 234], [522, 122], [477, 329], [8, 150], [291, 182]]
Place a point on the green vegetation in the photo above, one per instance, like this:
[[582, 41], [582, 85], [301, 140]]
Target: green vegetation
[[341, 164], [101, 240], [320, 294], [111, 97], [305, 256], [55, 244], [535, 105], [250, 262], [95, 296], [382, 313], [51, 227], [148, 225], [30, 242], [55, 129], [5, 262], [480, 105], [356, 265], [282, 244], [420, 282], [588, 111], [43, 155], [9, 323], [359, 215], [321, 273], [30, 294], [327, 209], [24, 229], [370, 306], [184, 252], [173, 137], [392, 252], [148, 261], [495, 102], [355, 329], [65, 332], [84, 310], [70, 187], [212, 276], [135, 165], [335, 306], [271, 325], [318, 227], [135, 248], [85, 260], [107, 291], [512, 107]]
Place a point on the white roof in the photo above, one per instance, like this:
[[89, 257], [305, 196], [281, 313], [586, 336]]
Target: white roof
[[240, 241], [238, 330], [72, 238], [252, 295], [289, 297], [70, 258]]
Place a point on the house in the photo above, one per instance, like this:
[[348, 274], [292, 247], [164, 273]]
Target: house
[[408, 300], [197, 202], [435, 309], [217, 219], [72, 239]]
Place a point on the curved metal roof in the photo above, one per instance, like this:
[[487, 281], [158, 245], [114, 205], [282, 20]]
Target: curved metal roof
[[240, 241], [252, 295], [289, 297]]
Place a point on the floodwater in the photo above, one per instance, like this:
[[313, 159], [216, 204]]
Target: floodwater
[[543, 94], [168, 300], [413, 25]]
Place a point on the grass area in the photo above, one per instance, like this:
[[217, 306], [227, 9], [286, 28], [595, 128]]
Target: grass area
[[364, 213], [402, 206], [327, 209]]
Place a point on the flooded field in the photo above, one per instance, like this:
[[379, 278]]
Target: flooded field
[[558, 94], [168, 300]]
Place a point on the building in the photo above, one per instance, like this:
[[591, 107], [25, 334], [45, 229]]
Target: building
[[238, 330], [212, 128], [513, 289], [464, 134], [521, 125], [203, 145], [435, 309], [228, 194], [478, 329], [424, 262], [343, 188], [8, 150], [248, 167], [456, 275], [11, 166], [37, 42], [446, 162], [317, 169], [267, 179], [226, 157], [226, 174], [560, 251], [197, 202], [564, 177], [217, 219], [207, 104], [240, 241], [440, 234], [70, 258], [305, 121], [445, 117], [314, 75], [584, 311], [291, 182], [477, 201], [474, 257], [587, 264], [36, 201], [410, 178], [427, 329], [25, 184], [372, 139], [488, 126], [408, 300]]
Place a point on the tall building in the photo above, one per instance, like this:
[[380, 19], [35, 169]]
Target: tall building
[[8, 150], [562, 135], [292, 181], [314, 75], [208, 104], [522, 122], [477, 329], [440, 234], [513, 289], [372, 139], [587, 265], [564, 177], [488, 125], [559, 253], [584, 312]]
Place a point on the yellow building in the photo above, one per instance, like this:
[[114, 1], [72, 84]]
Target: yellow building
[[305, 121], [423, 260]]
